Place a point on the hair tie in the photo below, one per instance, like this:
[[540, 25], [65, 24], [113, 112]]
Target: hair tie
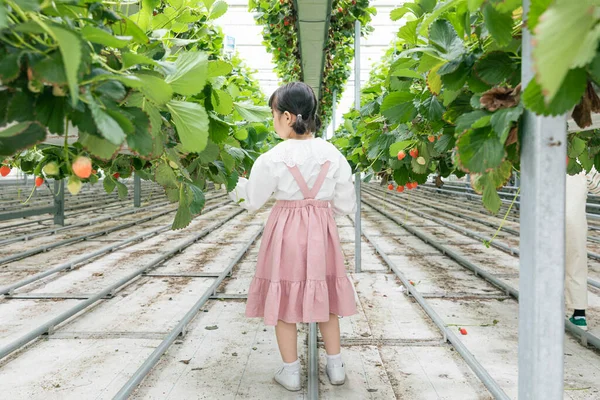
[[300, 117]]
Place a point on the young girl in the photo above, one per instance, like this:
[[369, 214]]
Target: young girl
[[300, 274]]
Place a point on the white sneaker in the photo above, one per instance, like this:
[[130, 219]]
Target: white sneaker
[[289, 380], [336, 374]]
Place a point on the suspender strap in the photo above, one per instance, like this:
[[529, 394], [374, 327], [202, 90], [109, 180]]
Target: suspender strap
[[310, 193]]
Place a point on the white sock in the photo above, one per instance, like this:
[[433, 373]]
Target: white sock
[[292, 367], [334, 360]]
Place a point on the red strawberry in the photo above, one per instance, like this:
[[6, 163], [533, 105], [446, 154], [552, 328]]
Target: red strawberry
[[463, 331], [286, 22], [38, 181], [116, 175], [410, 186], [414, 185], [401, 154], [411, 282], [4, 170], [414, 153], [340, 9], [431, 138], [400, 189], [567, 160], [353, 2], [391, 187], [94, 171]]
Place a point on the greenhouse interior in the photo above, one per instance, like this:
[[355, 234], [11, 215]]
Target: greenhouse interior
[[300, 199]]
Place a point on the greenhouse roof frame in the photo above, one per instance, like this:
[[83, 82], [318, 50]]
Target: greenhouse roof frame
[[313, 26]]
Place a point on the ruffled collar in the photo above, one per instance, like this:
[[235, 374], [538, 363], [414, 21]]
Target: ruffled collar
[[296, 152]]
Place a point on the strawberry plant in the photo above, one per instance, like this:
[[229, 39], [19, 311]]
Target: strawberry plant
[[281, 39], [149, 91], [449, 92]]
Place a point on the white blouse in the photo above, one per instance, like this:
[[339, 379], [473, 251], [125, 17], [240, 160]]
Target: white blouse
[[270, 175]]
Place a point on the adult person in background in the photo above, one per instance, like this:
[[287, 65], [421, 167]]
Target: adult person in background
[[576, 270]]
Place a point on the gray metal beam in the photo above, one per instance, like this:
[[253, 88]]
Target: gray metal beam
[[542, 260]]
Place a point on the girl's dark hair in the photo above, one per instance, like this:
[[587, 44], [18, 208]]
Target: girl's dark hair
[[299, 99]]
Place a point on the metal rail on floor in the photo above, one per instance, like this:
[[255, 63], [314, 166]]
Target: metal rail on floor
[[585, 337], [49, 326], [8, 289], [448, 333], [154, 358]]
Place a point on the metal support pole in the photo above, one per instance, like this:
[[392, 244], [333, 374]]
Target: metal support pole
[[59, 202], [137, 190], [313, 362], [333, 111], [357, 178], [542, 248]]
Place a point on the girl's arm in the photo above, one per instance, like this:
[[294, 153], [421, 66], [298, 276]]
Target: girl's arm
[[255, 191], [344, 200]]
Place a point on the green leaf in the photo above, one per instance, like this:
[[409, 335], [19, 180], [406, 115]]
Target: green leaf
[[217, 10], [222, 102], [20, 136], [434, 109], [190, 73], [409, 32], [398, 107], [475, 5], [209, 154], [466, 121], [576, 147], [428, 62], [97, 35], [587, 52], [398, 13], [70, 49], [498, 24], [141, 139], [98, 147], [456, 79], [219, 68], [109, 184], [443, 36], [495, 67], [3, 16], [241, 134], [183, 216], [479, 150], [48, 69], [434, 81], [198, 200], [396, 147], [251, 112], [107, 125], [126, 27], [191, 121], [165, 176], [502, 120], [559, 41], [536, 9], [132, 59], [488, 182], [121, 189], [50, 111], [401, 176], [10, 66], [441, 8], [406, 73], [567, 97]]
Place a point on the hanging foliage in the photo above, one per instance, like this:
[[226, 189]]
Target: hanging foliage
[[135, 87]]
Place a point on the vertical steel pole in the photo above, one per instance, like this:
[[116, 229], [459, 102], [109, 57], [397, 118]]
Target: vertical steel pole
[[542, 248], [313, 362], [59, 202], [137, 190], [357, 178], [333, 111]]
